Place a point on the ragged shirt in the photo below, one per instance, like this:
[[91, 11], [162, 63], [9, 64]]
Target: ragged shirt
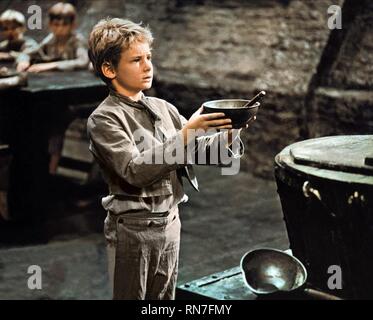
[[69, 56], [15, 48], [134, 185]]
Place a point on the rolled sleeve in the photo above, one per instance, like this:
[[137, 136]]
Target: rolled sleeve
[[81, 62]]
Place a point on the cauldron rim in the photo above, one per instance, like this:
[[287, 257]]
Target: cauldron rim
[[285, 162]]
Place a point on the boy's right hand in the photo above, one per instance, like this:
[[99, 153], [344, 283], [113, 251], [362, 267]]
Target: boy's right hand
[[200, 121], [23, 66]]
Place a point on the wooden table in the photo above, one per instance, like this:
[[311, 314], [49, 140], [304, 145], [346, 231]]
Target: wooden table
[[34, 111]]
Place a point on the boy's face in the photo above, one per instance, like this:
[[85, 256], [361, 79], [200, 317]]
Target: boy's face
[[11, 30], [61, 28], [134, 72]]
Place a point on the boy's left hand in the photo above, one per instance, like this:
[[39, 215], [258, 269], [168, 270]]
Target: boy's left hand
[[41, 67]]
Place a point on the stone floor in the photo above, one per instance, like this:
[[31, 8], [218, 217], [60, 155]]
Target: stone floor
[[231, 215]]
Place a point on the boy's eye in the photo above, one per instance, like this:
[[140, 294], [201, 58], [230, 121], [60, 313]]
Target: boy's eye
[[139, 59]]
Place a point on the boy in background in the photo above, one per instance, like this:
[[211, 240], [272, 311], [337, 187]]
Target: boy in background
[[12, 29], [63, 48]]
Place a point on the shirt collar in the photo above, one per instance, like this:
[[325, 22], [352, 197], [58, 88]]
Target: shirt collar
[[141, 103]]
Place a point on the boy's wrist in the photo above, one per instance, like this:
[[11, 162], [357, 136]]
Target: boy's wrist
[[229, 136], [186, 136]]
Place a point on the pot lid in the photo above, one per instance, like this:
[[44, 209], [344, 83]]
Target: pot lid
[[352, 154]]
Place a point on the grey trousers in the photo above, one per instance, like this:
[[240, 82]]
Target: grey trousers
[[143, 255]]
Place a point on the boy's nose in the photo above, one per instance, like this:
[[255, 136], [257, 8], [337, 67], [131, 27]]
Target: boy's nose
[[148, 65]]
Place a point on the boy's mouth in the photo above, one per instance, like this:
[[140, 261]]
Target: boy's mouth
[[148, 78]]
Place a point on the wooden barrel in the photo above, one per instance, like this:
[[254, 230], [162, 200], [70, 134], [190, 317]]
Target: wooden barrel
[[326, 191]]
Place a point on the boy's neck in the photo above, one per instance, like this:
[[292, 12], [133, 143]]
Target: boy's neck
[[134, 96], [64, 38]]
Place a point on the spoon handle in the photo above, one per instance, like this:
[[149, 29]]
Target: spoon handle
[[255, 99], [320, 295]]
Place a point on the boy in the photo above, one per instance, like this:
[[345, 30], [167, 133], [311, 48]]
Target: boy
[[62, 49], [142, 226], [12, 29]]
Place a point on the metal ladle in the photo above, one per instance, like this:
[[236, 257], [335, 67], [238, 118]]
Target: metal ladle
[[268, 271]]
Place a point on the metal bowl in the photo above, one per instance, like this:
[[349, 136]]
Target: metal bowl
[[269, 270], [233, 109]]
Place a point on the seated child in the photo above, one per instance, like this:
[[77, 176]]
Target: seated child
[[63, 48], [12, 29]]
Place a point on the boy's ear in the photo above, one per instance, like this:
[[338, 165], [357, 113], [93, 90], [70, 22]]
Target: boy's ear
[[108, 70]]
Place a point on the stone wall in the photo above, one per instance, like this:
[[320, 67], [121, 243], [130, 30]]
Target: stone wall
[[341, 112], [341, 93], [353, 64]]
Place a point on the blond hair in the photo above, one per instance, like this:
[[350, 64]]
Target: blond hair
[[109, 37], [14, 17]]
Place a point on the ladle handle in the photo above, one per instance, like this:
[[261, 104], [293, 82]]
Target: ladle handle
[[320, 295]]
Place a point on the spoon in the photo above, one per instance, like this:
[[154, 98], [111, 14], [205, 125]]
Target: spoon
[[255, 99]]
